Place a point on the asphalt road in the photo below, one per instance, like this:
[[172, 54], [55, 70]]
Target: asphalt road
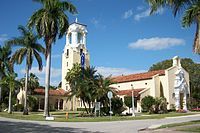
[[132, 126]]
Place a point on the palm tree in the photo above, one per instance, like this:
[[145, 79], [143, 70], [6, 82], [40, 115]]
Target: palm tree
[[29, 48], [191, 14], [50, 21], [33, 83], [5, 64], [103, 88], [10, 80], [83, 84]]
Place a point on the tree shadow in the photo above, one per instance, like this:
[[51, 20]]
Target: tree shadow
[[22, 127]]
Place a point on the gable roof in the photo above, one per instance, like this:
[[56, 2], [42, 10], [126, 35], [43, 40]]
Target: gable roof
[[58, 92], [137, 77]]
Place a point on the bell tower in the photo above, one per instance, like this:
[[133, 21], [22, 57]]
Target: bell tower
[[74, 47]]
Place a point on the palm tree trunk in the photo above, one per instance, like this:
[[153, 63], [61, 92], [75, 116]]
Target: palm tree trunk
[[47, 82], [196, 45], [25, 112], [10, 102], [0, 88]]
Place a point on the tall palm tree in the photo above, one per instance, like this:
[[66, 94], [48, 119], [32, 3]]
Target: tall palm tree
[[29, 48], [5, 64], [50, 21], [10, 80], [191, 14]]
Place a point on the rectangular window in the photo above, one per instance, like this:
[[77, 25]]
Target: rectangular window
[[81, 51], [67, 52], [67, 64]]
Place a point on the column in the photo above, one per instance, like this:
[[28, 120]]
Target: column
[[38, 103], [58, 104], [84, 38], [177, 100], [185, 101]]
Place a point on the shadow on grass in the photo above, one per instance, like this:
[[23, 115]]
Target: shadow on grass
[[22, 127]]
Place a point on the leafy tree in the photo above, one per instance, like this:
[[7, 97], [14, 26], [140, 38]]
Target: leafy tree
[[117, 105], [191, 67], [83, 84], [6, 67], [10, 80], [29, 48], [128, 102], [89, 86], [50, 21], [190, 10], [147, 103]]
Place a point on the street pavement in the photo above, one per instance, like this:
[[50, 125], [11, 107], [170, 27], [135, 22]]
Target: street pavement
[[8, 125]]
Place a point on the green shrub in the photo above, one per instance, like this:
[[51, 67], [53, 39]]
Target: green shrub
[[81, 109], [128, 102], [147, 103], [117, 106], [18, 107], [156, 105], [32, 103], [3, 106]]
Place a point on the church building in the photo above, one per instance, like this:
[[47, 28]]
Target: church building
[[172, 83]]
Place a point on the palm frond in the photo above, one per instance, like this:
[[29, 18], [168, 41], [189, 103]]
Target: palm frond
[[67, 6], [39, 59]]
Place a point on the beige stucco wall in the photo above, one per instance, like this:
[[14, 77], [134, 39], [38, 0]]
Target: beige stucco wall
[[136, 85]]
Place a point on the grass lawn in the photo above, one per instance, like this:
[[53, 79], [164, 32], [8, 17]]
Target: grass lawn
[[192, 126], [193, 129], [73, 116], [180, 124]]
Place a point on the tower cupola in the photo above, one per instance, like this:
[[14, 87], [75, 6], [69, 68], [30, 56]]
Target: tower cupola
[[76, 34]]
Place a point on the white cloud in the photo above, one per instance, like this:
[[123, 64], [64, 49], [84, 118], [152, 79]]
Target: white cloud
[[3, 37], [107, 71], [156, 43], [55, 75], [146, 13], [55, 72], [127, 14]]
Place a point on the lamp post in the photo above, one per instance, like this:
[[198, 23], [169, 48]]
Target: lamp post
[[133, 107]]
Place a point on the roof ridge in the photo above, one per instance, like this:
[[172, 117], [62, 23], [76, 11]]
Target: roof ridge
[[138, 73]]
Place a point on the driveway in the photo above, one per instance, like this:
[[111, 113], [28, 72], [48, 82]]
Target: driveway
[[131, 126]]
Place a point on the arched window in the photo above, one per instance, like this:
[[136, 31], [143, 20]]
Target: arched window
[[80, 38], [70, 38]]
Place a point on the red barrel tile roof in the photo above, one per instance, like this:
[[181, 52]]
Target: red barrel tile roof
[[136, 77], [58, 92]]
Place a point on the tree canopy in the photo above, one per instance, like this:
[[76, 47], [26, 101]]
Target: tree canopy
[[88, 85]]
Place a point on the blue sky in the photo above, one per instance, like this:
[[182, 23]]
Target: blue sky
[[122, 37]]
